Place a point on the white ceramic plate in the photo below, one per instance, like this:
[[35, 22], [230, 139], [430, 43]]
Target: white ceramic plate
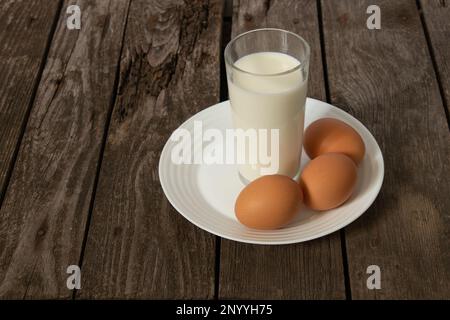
[[205, 194]]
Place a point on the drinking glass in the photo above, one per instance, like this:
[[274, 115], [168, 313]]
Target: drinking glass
[[267, 76]]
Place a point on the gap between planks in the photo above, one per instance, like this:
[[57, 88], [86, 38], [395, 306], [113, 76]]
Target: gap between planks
[[434, 62], [225, 38], [103, 145], [31, 102], [347, 285]]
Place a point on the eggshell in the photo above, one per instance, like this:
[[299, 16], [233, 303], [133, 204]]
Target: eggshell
[[328, 181], [268, 202], [329, 135]]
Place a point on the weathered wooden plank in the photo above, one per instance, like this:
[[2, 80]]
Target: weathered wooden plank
[[385, 78], [312, 270], [138, 246], [47, 203], [437, 19], [25, 28]]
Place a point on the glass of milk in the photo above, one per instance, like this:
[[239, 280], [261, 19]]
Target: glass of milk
[[267, 74]]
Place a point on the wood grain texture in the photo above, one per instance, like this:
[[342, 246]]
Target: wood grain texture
[[437, 19], [312, 270], [385, 79], [138, 245], [46, 206], [25, 28]]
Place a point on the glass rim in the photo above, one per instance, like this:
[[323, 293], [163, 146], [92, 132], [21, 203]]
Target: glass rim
[[301, 65]]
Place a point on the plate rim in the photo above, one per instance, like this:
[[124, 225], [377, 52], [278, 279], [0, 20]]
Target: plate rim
[[323, 233]]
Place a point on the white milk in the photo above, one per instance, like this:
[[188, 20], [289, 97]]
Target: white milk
[[267, 101]]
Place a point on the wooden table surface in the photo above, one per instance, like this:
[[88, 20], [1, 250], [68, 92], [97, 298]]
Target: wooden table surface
[[84, 115]]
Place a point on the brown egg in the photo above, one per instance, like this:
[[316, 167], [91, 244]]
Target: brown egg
[[328, 181], [331, 135], [269, 202]]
